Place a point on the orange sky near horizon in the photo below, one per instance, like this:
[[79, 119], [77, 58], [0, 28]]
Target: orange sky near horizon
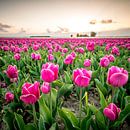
[[38, 16]]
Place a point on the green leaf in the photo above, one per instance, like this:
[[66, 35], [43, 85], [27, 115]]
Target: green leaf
[[9, 119], [103, 102], [54, 127], [67, 120], [19, 120], [127, 99], [68, 79], [71, 116], [57, 83], [123, 116], [64, 89], [99, 116], [41, 123], [44, 110], [101, 87], [29, 127], [86, 122]]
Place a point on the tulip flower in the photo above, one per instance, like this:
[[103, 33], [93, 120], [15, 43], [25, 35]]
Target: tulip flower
[[30, 92], [45, 88], [112, 112], [87, 63], [82, 77], [9, 96], [104, 62], [37, 57], [115, 51], [117, 77], [50, 57], [12, 73], [17, 56], [111, 58], [69, 59], [90, 46], [49, 72], [33, 56]]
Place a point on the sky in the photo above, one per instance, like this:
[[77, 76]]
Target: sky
[[41, 16]]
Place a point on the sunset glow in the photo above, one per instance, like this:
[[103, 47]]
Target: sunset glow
[[30, 16]]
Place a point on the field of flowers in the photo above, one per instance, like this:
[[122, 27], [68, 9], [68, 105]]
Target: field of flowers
[[57, 84]]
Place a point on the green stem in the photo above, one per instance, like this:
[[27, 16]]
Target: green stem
[[80, 104], [34, 114], [113, 94], [50, 104]]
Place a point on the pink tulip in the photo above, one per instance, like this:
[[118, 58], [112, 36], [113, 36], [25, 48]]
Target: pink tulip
[[117, 77], [33, 56], [12, 72], [17, 56], [111, 58], [50, 57], [65, 50], [49, 72], [35, 47], [129, 60], [112, 112], [69, 59], [50, 51], [115, 51], [45, 88], [30, 93], [82, 77], [90, 46], [9, 96], [37, 57], [73, 54], [81, 50], [87, 63], [104, 62], [5, 48]]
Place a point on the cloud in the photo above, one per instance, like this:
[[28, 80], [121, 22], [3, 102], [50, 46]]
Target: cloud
[[93, 22], [3, 27], [104, 21], [62, 29], [59, 30]]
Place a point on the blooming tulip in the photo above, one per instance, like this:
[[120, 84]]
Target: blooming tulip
[[111, 58], [69, 59], [90, 46], [9, 96], [104, 62], [37, 57], [112, 112], [30, 93], [45, 88], [50, 57], [117, 77], [87, 63], [82, 77], [12, 73], [49, 72], [17, 56]]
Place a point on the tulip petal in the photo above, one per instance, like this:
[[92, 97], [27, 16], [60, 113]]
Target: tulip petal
[[47, 75], [82, 81], [29, 98], [118, 79], [109, 114]]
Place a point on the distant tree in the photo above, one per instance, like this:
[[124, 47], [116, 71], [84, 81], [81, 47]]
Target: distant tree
[[78, 35], [71, 35], [93, 34]]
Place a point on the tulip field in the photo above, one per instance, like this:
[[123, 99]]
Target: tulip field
[[65, 83]]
